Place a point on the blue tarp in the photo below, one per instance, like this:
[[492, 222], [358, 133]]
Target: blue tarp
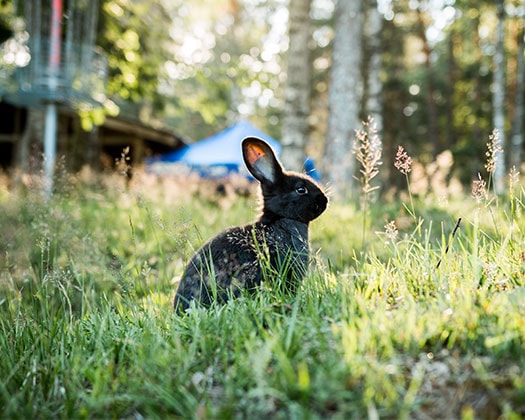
[[215, 156]]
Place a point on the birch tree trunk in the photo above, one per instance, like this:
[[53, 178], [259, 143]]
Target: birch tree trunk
[[374, 85], [344, 97], [498, 99], [297, 91], [517, 124], [373, 107]]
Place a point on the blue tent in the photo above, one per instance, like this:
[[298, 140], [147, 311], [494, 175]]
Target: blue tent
[[215, 156]]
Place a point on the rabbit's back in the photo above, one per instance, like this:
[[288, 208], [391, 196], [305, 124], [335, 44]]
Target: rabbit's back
[[236, 259]]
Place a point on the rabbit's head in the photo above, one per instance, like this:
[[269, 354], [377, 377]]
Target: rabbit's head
[[287, 195]]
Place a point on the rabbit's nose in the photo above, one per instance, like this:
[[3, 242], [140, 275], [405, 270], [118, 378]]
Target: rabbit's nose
[[321, 204]]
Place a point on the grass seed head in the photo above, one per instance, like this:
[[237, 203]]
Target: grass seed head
[[403, 161], [368, 150], [514, 177], [391, 231], [479, 189], [494, 150]]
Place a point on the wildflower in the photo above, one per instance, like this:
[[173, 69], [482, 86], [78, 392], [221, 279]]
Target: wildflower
[[479, 189], [403, 162], [494, 151]]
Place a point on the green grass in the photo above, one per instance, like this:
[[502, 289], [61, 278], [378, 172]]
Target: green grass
[[87, 328]]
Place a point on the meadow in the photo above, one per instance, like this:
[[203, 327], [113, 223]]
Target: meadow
[[404, 314]]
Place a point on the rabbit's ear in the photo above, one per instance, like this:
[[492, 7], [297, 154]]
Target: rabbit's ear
[[260, 160]]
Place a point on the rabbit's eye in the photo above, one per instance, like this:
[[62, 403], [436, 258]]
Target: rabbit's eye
[[301, 190]]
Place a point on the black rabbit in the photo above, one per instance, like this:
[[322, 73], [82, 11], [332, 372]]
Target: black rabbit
[[236, 258]]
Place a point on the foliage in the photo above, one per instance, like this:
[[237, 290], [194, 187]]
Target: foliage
[[194, 66], [87, 328], [131, 34], [5, 16]]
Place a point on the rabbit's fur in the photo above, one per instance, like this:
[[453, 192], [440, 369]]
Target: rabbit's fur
[[236, 258]]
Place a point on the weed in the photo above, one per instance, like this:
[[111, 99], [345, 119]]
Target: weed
[[367, 150], [403, 163]]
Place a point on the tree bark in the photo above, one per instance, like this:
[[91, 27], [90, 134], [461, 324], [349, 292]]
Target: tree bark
[[297, 92], [373, 107], [449, 91], [344, 97], [30, 139], [374, 85], [517, 123], [432, 113], [498, 98]]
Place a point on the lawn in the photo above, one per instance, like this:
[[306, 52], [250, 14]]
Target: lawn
[[400, 316]]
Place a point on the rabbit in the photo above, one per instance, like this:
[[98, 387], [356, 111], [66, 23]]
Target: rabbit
[[237, 258]]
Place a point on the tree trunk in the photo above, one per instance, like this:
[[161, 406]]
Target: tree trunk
[[344, 97], [498, 99], [373, 107], [449, 91], [477, 104], [517, 124], [297, 92], [374, 85], [432, 113], [30, 140]]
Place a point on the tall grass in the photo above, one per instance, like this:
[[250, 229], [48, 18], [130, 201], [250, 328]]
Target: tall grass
[[87, 327]]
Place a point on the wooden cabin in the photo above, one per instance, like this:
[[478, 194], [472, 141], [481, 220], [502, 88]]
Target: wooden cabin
[[99, 148]]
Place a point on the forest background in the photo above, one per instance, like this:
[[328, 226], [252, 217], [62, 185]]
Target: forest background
[[436, 76]]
